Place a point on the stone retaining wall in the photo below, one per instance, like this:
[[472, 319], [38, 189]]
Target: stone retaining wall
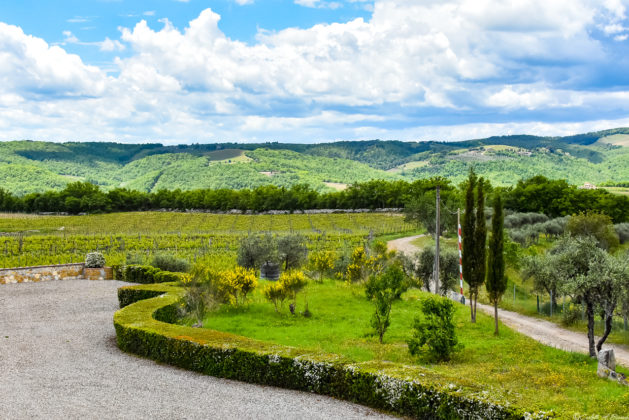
[[52, 272]]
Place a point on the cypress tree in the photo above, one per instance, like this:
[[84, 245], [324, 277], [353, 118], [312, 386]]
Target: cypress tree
[[496, 283], [480, 242], [468, 237]]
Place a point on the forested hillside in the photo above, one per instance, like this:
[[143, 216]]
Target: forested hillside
[[30, 166]]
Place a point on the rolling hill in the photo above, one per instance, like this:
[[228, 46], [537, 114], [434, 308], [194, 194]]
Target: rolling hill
[[31, 166]]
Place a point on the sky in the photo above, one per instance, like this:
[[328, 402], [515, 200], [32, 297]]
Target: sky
[[199, 71]]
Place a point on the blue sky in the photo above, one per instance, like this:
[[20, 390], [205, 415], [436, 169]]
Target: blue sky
[[310, 70]]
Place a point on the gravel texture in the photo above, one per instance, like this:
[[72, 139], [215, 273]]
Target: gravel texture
[[58, 359]]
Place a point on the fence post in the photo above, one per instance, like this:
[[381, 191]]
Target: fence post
[[537, 303], [551, 303]]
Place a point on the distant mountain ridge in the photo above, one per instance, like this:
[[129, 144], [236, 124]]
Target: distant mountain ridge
[[32, 166]]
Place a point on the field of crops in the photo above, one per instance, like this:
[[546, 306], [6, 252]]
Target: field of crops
[[41, 240]]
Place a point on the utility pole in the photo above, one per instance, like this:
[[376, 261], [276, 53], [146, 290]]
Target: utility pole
[[437, 234], [458, 227]]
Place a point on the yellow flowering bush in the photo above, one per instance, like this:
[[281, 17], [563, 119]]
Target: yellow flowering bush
[[237, 284]]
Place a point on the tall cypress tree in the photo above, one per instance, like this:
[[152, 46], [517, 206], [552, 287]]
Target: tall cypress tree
[[496, 283], [468, 237], [480, 242]]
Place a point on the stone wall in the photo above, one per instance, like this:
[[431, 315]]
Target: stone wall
[[52, 272], [105, 273]]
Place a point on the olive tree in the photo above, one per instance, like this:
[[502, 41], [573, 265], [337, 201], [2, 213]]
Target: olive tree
[[594, 277]]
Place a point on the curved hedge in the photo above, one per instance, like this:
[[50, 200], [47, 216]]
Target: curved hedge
[[144, 328]]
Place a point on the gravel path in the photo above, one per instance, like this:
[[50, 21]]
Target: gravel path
[[404, 245], [545, 332], [59, 360]]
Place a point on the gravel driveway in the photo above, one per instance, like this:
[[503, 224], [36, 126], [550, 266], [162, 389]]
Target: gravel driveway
[[58, 359]]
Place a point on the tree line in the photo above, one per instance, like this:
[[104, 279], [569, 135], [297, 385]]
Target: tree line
[[538, 194]]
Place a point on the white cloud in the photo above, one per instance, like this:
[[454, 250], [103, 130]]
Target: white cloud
[[107, 45], [31, 67], [244, 2], [319, 4], [78, 19], [382, 77], [149, 13]]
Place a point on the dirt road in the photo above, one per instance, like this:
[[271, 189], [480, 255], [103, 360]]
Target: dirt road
[[543, 331]]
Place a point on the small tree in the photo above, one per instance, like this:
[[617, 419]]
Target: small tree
[[435, 329], [257, 250], [448, 268], [292, 251], [601, 286], [321, 262], [383, 290], [546, 279], [496, 282], [593, 277], [598, 226], [421, 209]]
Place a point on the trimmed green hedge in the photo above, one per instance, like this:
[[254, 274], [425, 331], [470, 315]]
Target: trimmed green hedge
[[167, 277], [144, 274], [140, 273], [144, 328]]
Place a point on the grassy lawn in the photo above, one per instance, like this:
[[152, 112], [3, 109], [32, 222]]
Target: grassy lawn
[[513, 366]]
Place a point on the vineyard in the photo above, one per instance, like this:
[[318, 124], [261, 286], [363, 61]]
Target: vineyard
[[42, 240]]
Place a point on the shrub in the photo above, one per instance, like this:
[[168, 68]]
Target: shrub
[[571, 315], [383, 290], [237, 284], [622, 229], [553, 228], [435, 329], [293, 282], [343, 260], [276, 294], [357, 268], [94, 260], [321, 262], [140, 273], [167, 277], [168, 262], [135, 258], [518, 236], [118, 272], [518, 220], [197, 300]]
